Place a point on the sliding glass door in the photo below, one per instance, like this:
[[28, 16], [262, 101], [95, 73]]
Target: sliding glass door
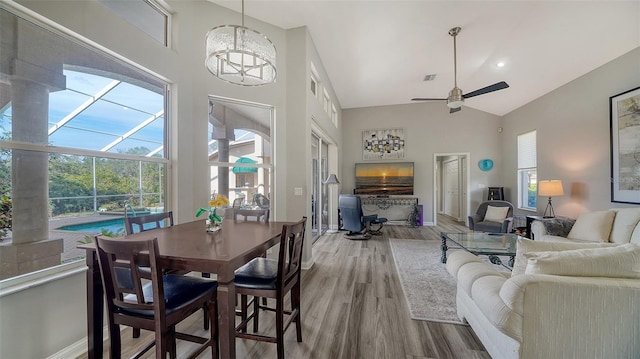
[[319, 190]]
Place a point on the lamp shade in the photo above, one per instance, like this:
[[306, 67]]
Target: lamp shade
[[550, 188], [332, 179]]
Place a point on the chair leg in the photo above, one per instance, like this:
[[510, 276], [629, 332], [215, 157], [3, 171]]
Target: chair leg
[[243, 311], [136, 333], [295, 306], [205, 316], [116, 345], [256, 314], [280, 328]]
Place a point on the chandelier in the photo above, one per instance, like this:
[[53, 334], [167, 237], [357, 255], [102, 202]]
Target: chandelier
[[240, 55]]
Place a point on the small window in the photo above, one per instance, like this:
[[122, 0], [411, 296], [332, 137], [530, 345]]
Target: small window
[[334, 115], [527, 171], [314, 86], [147, 15], [327, 103]]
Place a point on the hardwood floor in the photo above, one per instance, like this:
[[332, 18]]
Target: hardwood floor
[[353, 307]]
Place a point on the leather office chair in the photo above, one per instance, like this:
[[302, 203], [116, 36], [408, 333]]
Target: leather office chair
[[157, 305], [478, 222], [354, 221], [268, 278]]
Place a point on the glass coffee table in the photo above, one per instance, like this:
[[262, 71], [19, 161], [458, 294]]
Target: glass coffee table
[[479, 243]]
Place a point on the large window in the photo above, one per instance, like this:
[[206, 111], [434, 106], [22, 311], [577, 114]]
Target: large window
[[240, 150], [527, 171], [82, 136]]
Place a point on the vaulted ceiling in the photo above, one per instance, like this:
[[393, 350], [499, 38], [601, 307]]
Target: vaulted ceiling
[[378, 52]]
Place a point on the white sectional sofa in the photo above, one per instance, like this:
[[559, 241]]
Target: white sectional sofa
[[562, 300], [618, 225]]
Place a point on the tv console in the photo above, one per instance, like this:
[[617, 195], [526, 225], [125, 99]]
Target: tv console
[[389, 207]]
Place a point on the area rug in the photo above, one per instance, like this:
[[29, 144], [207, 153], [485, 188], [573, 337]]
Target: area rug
[[429, 289]]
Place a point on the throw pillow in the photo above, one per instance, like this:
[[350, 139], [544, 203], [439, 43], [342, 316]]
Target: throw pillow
[[626, 222], [524, 246], [496, 214], [593, 226], [622, 261]]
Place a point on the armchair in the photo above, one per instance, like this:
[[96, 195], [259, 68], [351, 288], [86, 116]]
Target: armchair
[[354, 221], [491, 217]]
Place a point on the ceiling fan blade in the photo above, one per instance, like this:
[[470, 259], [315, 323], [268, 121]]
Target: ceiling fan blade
[[495, 87], [453, 110], [428, 99]]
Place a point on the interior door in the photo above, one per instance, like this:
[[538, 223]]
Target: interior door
[[451, 184]]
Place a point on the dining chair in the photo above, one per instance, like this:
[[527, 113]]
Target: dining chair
[[260, 215], [148, 222], [268, 278], [157, 304]]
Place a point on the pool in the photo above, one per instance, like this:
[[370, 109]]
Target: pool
[[114, 225]]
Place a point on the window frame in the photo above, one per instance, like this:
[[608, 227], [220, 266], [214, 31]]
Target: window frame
[[527, 172]]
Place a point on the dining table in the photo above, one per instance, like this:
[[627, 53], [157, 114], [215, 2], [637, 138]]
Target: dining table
[[190, 247]]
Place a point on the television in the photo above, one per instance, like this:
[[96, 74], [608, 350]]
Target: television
[[390, 178]]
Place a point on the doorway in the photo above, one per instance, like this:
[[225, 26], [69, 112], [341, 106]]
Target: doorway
[[451, 186]]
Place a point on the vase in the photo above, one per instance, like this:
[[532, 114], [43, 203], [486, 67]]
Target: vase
[[213, 226]]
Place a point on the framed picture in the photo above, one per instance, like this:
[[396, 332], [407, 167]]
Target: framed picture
[[625, 147], [386, 144]]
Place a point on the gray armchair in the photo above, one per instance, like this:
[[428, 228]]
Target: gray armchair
[[477, 222]]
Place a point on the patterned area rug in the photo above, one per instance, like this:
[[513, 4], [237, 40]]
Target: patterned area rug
[[429, 289]]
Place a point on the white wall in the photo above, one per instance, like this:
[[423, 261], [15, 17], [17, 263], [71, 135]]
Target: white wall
[[429, 129], [573, 138]]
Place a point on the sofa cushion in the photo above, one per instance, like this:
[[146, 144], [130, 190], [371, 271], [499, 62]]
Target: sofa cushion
[[496, 214], [621, 261], [624, 224], [524, 246], [593, 226]]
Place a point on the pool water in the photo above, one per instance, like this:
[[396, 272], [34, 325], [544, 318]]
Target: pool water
[[115, 225]]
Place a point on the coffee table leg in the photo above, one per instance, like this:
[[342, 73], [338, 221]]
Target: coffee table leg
[[444, 248], [512, 261]]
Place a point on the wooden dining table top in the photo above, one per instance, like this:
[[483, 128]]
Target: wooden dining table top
[[189, 246]]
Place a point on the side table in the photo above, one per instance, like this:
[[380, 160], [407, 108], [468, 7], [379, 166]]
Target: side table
[[530, 219]]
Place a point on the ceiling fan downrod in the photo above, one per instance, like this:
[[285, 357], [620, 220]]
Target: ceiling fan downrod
[[455, 99]]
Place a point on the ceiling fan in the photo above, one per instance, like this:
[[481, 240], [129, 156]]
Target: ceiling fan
[[456, 97]]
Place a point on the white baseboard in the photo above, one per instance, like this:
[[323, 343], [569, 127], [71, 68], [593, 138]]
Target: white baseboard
[[79, 348], [428, 224]]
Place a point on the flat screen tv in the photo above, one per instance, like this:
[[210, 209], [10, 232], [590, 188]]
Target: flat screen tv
[[392, 178]]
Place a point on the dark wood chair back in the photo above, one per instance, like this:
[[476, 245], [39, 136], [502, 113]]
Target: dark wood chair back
[[123, 265], [290, 256], [148, 222], [126, 266], [265, 278]]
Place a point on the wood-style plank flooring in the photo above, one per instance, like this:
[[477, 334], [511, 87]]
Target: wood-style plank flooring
[[352, 307]]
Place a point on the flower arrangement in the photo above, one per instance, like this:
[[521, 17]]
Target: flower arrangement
[[216, 201]]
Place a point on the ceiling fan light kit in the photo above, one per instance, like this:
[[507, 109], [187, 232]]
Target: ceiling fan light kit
[[456, 97]]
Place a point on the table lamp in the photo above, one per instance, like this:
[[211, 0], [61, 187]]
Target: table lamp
[[550, 188]]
